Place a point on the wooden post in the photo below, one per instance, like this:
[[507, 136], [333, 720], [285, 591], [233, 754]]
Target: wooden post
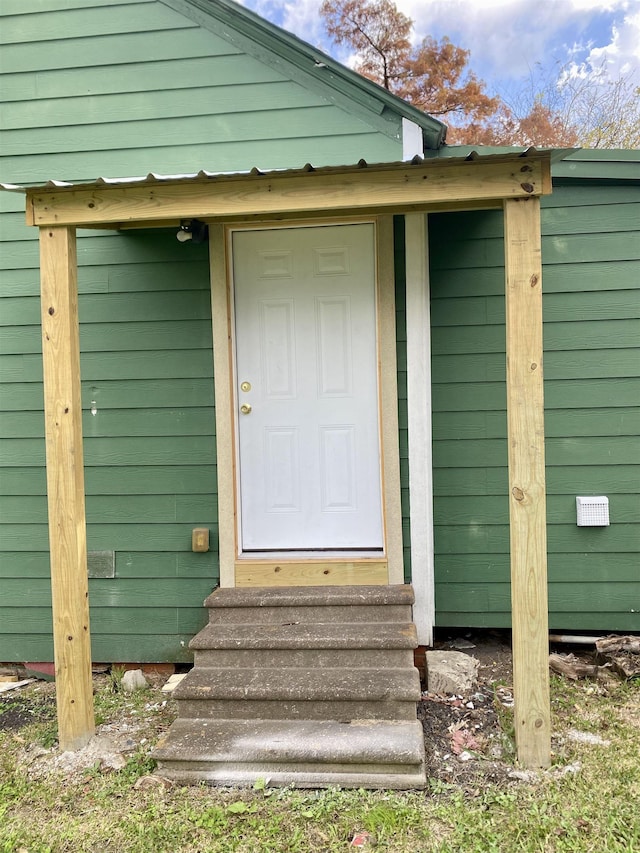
[[527, 509], [65, 486]]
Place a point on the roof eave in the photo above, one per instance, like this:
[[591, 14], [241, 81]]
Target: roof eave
[[311, 61]]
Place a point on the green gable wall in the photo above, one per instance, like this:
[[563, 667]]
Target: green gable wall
[[115, 88], [591, 282]]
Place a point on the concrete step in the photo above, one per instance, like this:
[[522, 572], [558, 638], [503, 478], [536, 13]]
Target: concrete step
[[372, 753], [343, 711], [309, 658], [300, 685], [296, 615], [287, 693], [311, 777], [311, 686], [310, 596], [331, 635]]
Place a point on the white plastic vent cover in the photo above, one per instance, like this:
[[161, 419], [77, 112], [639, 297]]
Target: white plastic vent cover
[[593, 512]]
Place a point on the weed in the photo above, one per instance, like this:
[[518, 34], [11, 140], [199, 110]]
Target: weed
[[140, 764], [115, 678], [506, 722], [48, 734], [94, 771]]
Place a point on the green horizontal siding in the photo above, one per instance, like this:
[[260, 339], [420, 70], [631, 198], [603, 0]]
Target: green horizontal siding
[[99, 52], [151, 565], [120, 88], [561, 509], [572, 364], [591, 277], [108, 620], [116, 450], [95, 20], [121, 592], [579, 568], [123, 647], [592, 479], [112, 110], [489, 310], [493, 538], [120, 365], [147, 422], [558, 336], [564, 598], [557, 249], [103, 337], [152, 75], [97, 247], [585, 216], [558, 423], [227, 156], [570, 277], [117, 394], [110, 537], [133, 479], [325, 120], [129, 509]]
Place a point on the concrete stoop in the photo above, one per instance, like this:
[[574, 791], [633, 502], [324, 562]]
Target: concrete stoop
[[310, 686]]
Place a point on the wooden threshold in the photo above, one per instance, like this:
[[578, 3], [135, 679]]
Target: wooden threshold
[[327, 572]]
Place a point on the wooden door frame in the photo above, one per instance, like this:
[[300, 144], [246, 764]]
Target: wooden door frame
[[239, 570]]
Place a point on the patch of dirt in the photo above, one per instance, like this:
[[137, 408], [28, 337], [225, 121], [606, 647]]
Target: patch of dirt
[[19, 708], [108, 750], [464, 740], [134, 729], [491, 648]]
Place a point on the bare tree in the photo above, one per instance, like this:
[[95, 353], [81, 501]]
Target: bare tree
[[571, 104], [433, 76], [586, 106]]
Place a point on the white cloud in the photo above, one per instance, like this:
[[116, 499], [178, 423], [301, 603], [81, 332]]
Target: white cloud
[[302, 17], [501, 34], [508, 39], [621, 57]]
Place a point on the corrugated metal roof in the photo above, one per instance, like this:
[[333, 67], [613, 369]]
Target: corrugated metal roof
[[204, 175]]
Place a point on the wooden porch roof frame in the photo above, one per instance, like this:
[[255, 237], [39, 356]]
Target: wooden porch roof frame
[[513, 182]]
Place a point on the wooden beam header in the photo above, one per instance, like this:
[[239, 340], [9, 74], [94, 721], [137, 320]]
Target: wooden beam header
[[385, 188]]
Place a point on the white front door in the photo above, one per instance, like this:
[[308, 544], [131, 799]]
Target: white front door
[[307, 389]]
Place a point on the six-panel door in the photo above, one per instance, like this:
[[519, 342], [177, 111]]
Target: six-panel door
[[307, 388]]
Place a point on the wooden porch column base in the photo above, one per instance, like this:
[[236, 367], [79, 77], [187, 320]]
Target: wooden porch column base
[[527, 504], [65, 486]]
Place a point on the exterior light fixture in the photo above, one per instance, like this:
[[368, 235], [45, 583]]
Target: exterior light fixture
[[192, 229]]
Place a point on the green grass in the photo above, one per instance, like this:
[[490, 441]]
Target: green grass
[[593, 810]]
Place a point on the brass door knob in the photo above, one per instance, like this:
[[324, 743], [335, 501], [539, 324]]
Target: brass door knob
[[245, 409]]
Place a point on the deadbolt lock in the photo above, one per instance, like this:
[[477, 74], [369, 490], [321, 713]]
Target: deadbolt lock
[[246, 386]]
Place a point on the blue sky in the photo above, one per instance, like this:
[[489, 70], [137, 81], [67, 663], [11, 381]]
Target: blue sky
[[508, 39]]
